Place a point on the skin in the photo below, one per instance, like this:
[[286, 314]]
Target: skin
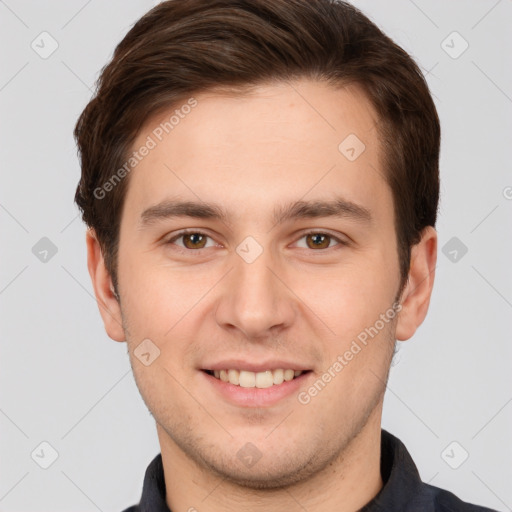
[[250, 153]]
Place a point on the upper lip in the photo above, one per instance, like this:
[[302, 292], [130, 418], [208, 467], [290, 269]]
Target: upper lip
[[239, 364]]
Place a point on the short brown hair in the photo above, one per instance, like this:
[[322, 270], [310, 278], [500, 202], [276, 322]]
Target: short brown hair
[[184, 47]]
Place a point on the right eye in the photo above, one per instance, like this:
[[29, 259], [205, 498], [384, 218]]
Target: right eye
[[192, 240]]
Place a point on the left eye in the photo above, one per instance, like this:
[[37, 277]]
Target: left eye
[[319, 240], [197, 240]]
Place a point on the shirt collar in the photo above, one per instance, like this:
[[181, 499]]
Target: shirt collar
[[399, 475]]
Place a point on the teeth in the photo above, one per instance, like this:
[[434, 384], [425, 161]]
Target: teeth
[[261, 380], [234, 376], [278, 376], [247, 379], [289, 374], [264, 379]]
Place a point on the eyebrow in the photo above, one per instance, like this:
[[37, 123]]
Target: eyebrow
[[337, 207]]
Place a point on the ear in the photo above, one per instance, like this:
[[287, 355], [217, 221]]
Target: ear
[[103, 289], [415, 297]]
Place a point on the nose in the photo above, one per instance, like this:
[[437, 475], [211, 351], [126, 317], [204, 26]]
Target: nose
[[255, 299]]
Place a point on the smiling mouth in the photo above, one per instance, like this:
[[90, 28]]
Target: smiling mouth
[[247, 379]]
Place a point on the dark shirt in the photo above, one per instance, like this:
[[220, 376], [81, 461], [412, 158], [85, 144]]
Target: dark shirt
[[403, 490]]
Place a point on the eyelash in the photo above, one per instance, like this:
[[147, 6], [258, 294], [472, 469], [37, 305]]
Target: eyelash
[[341, 243]]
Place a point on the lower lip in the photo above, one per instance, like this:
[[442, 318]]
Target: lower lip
[[256, 397]]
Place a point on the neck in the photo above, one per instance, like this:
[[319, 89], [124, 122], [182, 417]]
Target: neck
[[345, 485]]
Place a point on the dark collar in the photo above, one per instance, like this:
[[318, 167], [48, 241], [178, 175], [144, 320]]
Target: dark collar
[[403, 489]]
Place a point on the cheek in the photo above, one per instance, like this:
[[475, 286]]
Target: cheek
[[160, 390], [348, 299], [154, 296], [355, 367], [164, 305]]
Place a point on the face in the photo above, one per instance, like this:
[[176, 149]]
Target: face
[[258, 289]]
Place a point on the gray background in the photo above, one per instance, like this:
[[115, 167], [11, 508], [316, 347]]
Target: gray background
[[63, 381]]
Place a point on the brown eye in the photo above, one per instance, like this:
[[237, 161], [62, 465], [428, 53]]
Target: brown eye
[[191, 241], [318, 240], [194, 240]]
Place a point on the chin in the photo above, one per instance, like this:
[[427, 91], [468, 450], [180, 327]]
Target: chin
[[279, 466], [268, 476]]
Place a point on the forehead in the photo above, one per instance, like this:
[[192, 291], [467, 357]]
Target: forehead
[[278, 143]]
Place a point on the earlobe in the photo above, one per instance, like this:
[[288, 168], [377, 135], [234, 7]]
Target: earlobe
[[416, 294], [105, 296]]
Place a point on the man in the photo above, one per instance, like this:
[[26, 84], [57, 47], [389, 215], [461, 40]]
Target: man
[[260, 181]]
